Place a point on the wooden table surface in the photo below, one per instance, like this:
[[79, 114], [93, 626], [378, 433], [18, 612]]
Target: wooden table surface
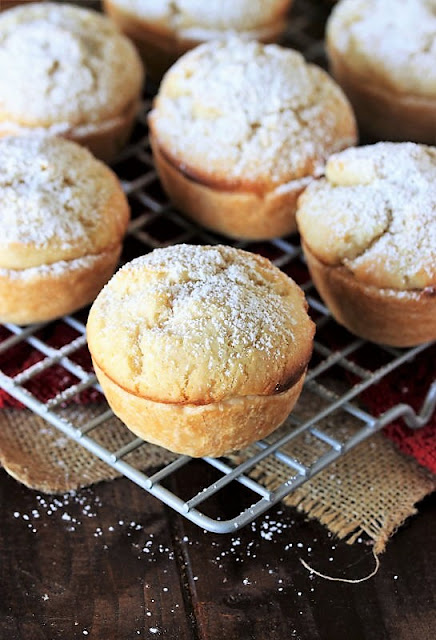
[[112, 562]]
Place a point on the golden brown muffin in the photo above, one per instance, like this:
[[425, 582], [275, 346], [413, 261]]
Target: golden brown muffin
[[63, 215], [164, 30], [383, 54], [238, 129], [369, 235], [67, 71], [200, 349]]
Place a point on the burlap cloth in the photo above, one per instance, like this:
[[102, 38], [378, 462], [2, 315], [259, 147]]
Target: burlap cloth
[[371, 490]]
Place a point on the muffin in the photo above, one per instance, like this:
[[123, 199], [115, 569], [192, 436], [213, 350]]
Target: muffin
[[211, 349], [164, 30], [238, 129], [369, 236], [383, 53], [67, 71], [63, 215]]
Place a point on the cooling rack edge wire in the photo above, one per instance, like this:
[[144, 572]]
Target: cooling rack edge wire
[[337, 355]]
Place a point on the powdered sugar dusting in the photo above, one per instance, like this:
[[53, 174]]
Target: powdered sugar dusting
[[56, 269], [52, 193], [82, 68], [181, 15], [378, 209], [396, 41], [250, 112], [215, 278], [11, 128]]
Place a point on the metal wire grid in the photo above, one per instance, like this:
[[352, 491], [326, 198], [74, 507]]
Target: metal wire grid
[[155, 223]]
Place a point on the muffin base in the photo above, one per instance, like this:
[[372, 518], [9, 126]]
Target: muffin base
[[384, 114], [388, 316], [159, 47], [200, 430], [236, 214], [105, 139], [43, 294]]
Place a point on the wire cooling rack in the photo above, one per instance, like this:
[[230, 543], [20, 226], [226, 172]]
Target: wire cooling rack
[[342, 368]]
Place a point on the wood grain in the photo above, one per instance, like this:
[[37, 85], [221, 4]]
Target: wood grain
[[56, 582]]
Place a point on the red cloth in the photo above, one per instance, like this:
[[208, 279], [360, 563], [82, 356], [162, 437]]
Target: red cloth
[[408, 384], [54, 379]]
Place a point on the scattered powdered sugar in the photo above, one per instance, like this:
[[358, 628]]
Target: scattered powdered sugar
[[247, 556], [82, 68], [382, 39], [242, 111], [376, 213], [52, 192], [61, 507]]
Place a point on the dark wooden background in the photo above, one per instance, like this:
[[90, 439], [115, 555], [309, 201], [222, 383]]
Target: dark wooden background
[[113, 563]]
